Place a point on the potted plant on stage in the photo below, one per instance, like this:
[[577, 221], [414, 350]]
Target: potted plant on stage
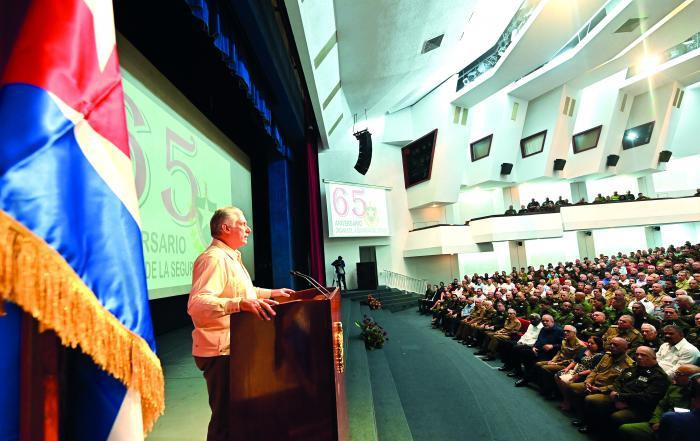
[[374, 335], [373, 302]]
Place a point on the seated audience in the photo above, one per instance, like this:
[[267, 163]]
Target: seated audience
[[570, 349], [683, 424], [632, 397], [579, 368], [547, 345], [677, 396]]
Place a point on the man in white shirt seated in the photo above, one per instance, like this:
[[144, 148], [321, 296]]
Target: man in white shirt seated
[[641, 296], [527, 339], [641, 280], [676, 350], [508, 284]]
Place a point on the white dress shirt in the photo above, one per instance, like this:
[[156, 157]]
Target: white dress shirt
[[530, 336], [670, 357]]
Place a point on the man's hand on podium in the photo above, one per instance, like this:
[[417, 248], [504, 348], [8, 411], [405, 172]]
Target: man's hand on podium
[[260, 307], [281, 292]]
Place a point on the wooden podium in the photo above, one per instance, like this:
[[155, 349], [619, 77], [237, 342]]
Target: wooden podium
[[287, 374]]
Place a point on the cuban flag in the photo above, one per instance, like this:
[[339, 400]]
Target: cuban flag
[[70, 240]]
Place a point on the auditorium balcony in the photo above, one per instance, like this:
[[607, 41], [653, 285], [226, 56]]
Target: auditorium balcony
[[477, 235]]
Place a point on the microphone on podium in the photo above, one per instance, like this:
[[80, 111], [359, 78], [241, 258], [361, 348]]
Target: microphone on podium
[[311, 281]]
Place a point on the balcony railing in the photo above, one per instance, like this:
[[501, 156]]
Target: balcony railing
[[689, 44], [402, 282], [488, 60]]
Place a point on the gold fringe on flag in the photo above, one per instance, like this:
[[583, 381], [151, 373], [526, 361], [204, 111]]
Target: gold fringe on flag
[[36, 278]]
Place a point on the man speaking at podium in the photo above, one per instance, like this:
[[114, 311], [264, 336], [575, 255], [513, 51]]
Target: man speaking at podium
[[221, 286]]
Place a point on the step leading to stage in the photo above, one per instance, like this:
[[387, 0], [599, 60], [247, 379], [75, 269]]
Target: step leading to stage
[[390, 417]]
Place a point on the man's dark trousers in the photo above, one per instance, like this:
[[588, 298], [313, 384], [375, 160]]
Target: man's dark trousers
[[341, 278], [216, 373]]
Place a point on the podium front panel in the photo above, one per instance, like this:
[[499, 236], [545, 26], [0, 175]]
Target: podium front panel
[[283, 378]]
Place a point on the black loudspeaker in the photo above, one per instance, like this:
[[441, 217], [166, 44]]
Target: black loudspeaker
[[559, 164], [365, 155], [665, 155], [588, 233], [506, 168], [612, 160], [656, 228], [366, 275]]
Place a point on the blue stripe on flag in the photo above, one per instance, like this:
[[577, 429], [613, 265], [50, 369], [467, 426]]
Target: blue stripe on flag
[[94, 398], [9, 373], [47, 184]]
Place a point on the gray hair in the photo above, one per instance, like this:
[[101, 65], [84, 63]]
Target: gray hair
[[220, 217]]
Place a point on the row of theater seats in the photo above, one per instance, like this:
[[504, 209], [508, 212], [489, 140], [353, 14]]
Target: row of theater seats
[[614, 338]]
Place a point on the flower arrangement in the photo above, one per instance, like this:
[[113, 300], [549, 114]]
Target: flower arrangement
[[373, 302], [374, 335]]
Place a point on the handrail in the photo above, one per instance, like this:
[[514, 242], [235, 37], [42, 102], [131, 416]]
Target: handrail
[[402, 282]]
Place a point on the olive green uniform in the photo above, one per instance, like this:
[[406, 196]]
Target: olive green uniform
[[676, 396]]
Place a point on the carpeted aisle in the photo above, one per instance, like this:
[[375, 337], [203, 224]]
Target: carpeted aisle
[[448, 394]]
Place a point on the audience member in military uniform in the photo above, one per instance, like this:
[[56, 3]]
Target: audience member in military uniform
[[508, 348], [494, 323], [687, 309], [625, 330], [522, 210], [671, 317], [598, 326], [693, 333], [618, 308], [600, 380], [634, 394], [580, 319], [566, 316], [682, 425], [520, 305], [484, 316], [533, 205], [650, 336], [510, 326], [571, 348], [677, 395], [676, 350], [547, 345], [476, 313], [640, 316], [693, 289], [579, 368]]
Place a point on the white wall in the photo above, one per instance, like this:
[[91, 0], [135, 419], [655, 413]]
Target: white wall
[[685, 140], [542, 114], [542, 190], [678, 234], [654, 105], [493, 117], [597, 105], [607, 186], [477, 202], [613, 240], [434, 269], [544, 251], [496, 260], [681, 177]]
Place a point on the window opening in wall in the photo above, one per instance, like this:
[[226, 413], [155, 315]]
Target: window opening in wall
[[533, 144], [481, 148], [586, 140], [637, 136]]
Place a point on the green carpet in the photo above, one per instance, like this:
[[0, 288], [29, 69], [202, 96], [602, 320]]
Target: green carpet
[[448, 394]]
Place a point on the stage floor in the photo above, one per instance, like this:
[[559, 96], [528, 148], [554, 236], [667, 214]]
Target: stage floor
[[186, 408]]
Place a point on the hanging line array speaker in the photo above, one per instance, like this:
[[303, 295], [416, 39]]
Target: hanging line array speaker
[[364, 156]]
